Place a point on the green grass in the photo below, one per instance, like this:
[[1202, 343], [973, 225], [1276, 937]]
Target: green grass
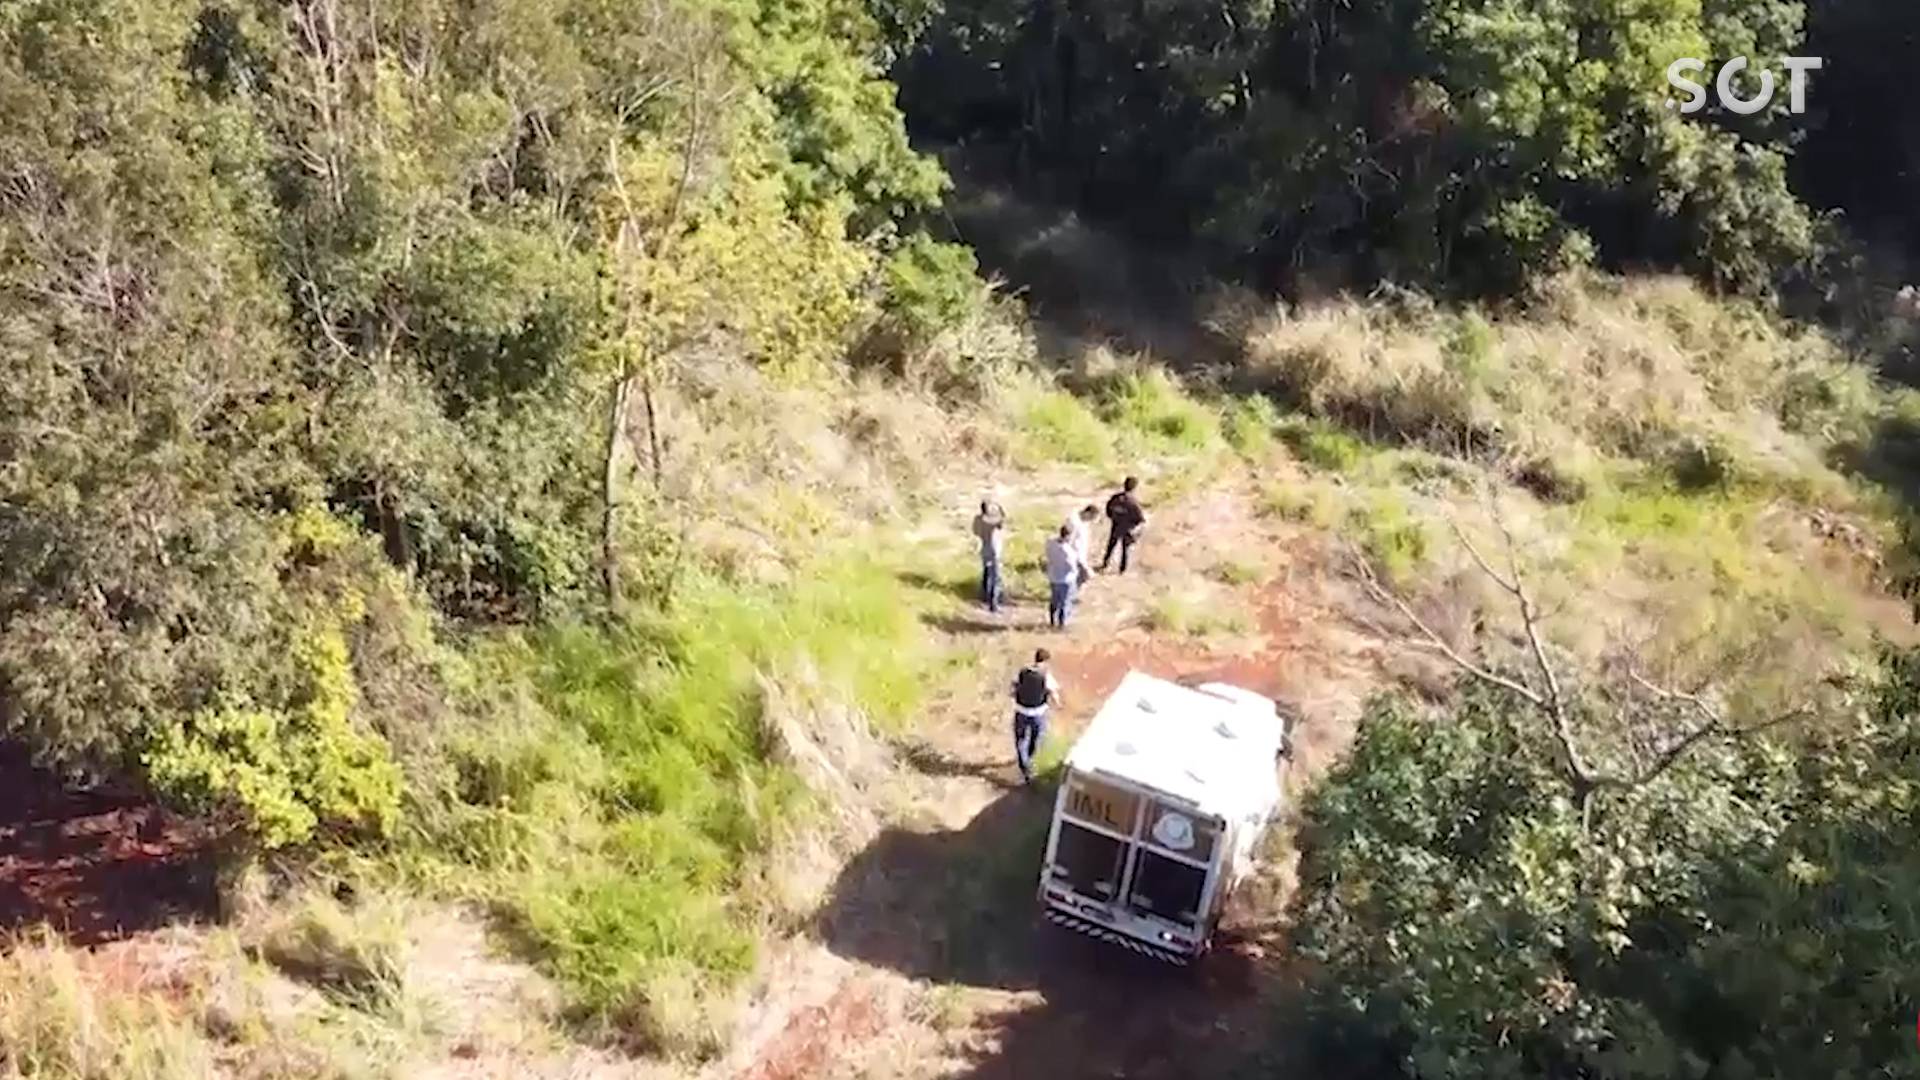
[[1154, 407], [1323, 445], [614, 807], [1305, 503], [1054, 426], [1175, 613], [1393, 538], [1238, 572], [1249, 425]]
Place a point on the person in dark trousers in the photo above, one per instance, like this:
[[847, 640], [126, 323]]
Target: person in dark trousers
[[991, 528], [1034, 693], [1125, 519], [1063, 578]]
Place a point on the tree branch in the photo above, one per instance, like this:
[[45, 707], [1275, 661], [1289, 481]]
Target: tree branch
[[1432, 639]]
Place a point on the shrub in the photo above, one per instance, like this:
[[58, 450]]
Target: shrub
[[1153, 404], [931, 286], [1309, 504], [1055, 426], [1250, 423], [1395, 541], [1323, 446]]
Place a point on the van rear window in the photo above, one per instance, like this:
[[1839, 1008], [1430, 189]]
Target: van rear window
[[1088, 862], [1167, 888]]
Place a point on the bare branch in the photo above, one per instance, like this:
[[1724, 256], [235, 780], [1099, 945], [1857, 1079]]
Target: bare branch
[[1712, 722], [1431, 638]]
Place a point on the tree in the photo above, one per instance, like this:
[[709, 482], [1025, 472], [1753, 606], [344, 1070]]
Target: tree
[[1514, 889]]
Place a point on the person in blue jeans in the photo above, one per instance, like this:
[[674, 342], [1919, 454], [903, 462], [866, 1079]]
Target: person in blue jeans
[[1034, 693], [991, 527], [1063, 578]]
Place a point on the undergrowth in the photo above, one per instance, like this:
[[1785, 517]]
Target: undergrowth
[[614, 805]]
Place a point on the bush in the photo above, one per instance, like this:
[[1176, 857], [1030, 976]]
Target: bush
[[1308, 505], [1466, 918], [1323, 446], [1055, 426], [931, 286], [279, 761], [1153, 404], [1396, 542], [1250, 423]]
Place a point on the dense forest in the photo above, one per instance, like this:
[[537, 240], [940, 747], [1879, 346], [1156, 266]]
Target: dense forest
[[1462, 146], [401, 402]]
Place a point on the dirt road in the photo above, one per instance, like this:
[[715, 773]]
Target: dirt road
[[927, 958]]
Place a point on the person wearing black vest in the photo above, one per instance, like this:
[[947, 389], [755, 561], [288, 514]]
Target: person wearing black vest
[[1125, 520], [1034, 693]]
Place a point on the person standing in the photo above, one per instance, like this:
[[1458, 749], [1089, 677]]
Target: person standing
[[991, 527], [1034, 693], [1063, 578], [1125, 519], [1080, 532]]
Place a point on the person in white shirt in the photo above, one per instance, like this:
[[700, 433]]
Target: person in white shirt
[[1034, 694], [1080, 532], [1063, 578], [991, 527]]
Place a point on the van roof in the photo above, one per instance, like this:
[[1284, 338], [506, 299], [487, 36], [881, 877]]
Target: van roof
[[1213, 746]]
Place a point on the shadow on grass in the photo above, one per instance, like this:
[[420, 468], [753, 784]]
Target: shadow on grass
[[1891, 458], [958, 586], [958, 908]]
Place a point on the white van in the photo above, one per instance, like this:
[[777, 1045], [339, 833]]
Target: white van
[[1161, 810]]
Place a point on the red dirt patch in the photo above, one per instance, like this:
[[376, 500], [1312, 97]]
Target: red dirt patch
[[94, 865], [809, 1041]]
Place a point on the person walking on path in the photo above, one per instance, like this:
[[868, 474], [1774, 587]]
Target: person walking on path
[[1125, 519], [1080, 533], [1063, 578], [991, 527], [1034, 693]]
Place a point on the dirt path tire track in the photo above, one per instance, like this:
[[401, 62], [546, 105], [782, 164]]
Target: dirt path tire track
[[943, 967]]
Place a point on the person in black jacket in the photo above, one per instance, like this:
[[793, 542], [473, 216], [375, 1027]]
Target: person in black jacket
[[1035, 693], [1125, 520]]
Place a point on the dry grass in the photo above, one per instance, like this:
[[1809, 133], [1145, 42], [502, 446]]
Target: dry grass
[[1649, 369], [58, 1022]]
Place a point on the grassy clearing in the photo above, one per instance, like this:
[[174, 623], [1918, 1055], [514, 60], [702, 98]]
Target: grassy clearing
[[618, 804]]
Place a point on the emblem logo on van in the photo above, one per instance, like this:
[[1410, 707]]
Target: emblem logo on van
[[1174, 831]]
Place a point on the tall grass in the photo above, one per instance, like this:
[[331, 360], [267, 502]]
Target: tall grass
[[1152, 406], [1054, 426], [1651, 370], [57, 1024], [617, 804]]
